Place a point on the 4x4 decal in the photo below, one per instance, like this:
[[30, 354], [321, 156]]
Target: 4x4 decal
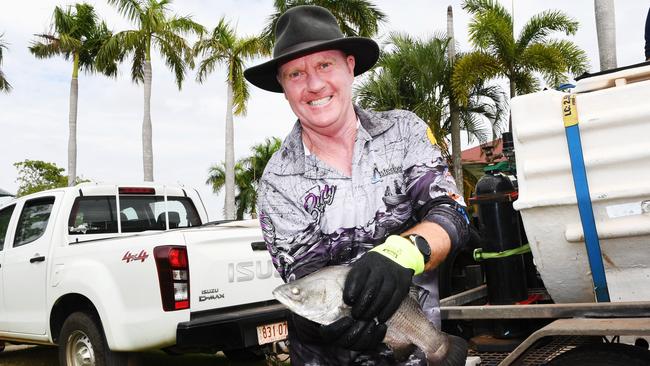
[[129, 257]]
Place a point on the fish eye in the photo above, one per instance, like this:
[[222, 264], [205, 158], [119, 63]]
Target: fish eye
[[295, 290]]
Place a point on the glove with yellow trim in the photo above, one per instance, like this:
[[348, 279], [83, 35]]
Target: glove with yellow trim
[[381, 278]]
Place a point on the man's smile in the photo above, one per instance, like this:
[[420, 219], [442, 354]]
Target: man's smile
[[320, 102]]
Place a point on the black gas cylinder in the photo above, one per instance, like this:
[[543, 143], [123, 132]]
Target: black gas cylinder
[[500, 230]]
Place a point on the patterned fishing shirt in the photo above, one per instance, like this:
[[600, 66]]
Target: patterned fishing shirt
[[314, 216]]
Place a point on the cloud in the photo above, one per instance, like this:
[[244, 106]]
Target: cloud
[[188, 126]]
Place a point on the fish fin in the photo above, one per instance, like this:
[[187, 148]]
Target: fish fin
[[456, 354], [401, 352]]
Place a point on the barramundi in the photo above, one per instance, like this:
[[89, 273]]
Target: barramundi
[[319, 298]]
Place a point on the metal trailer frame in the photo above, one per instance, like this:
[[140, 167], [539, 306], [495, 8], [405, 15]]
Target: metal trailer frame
[[571, 320]]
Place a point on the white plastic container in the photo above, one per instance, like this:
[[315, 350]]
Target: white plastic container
[[614, 116]]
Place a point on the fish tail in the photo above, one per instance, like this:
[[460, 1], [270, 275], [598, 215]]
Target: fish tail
[[455, 353]]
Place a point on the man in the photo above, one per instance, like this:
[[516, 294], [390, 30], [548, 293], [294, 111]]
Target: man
[[350, 186], [647, 36]]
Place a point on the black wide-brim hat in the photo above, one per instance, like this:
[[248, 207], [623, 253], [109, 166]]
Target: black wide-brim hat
[[306, 29]]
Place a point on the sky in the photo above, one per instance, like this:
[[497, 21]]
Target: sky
[[189, 125]]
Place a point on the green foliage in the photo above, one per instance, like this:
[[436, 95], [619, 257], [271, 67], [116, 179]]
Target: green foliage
[[36, 175], [248, 172], [500, 54], [155, 28], [4, 84], [222, 46], [77, 34], [355, 17], [415, 75]]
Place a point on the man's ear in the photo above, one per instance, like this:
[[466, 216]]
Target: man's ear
[[351, 61]]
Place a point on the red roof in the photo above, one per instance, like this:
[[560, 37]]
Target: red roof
[[479, 154]]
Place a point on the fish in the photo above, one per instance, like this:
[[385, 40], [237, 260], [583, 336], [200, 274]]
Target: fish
[[319, 298]]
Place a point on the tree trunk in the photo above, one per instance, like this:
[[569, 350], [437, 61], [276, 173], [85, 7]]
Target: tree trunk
[[147, 144], [513, 93], [606, 31], [453, 108], [229, 205], [72, 123]]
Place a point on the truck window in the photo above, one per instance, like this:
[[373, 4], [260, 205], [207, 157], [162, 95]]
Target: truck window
[[139, 213], [93, 215], [5, 216], [33, 220]]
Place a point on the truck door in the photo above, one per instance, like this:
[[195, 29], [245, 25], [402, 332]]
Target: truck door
[[5, 218], [24, 268]]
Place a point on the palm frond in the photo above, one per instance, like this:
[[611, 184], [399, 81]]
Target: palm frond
[[68, 43], [137, 67], [48, 49], [239, 87], [525, 82], [216, 177], [131, 9], [171, 47], [548, 61], [4, 84], [575, 59], [250, 47], [207, 66], [537, 28], [355, 17], [186, 25], [62, 20], [76, 30], [471, 69]]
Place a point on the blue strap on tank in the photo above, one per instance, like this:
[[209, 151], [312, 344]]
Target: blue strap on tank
[[572, 130]]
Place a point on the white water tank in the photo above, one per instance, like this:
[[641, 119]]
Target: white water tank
[[614, 119]]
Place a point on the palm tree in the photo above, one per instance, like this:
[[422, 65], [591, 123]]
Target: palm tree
[[248, 172], [499, 54], [77, 34], [155, 29], [222, 46], [356, 18], [4, 84], [416, 75]]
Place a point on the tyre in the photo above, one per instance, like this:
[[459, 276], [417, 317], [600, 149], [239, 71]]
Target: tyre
[[250, 354], [608, 354], [82, 343]]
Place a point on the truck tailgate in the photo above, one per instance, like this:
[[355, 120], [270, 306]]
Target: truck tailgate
[[225, 271]]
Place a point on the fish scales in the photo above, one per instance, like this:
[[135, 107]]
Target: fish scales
[[319, 297]]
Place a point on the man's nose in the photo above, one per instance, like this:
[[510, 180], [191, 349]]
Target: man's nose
[[314, 82]]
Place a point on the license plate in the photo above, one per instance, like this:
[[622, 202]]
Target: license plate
[[272, 332]]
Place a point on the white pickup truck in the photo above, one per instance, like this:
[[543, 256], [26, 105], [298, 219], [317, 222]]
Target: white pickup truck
[[102, 270]]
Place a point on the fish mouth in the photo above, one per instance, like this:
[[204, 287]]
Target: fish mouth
[[282, 298]]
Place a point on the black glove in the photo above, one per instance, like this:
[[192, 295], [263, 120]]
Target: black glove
[[355, 335], [376, 286], [305, 330]]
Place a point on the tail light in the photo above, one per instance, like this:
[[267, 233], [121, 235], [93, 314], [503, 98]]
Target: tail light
[[136, 190], [173, 277]]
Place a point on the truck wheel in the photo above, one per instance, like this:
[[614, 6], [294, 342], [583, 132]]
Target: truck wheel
[[245, 354], [608, 354], [82, 343]]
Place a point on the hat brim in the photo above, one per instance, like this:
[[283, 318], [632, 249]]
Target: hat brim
[[364, 50]]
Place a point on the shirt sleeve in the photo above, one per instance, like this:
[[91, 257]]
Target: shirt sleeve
[[292, 236], [430, 185]]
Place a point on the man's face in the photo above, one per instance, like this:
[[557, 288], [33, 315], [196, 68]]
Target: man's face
[[319, 89]]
